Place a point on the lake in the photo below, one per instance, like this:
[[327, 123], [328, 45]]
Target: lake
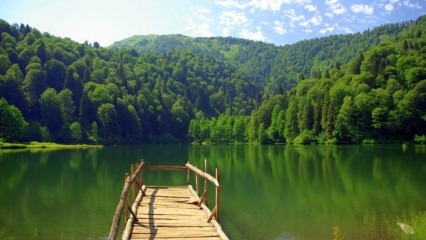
[[268, 192]]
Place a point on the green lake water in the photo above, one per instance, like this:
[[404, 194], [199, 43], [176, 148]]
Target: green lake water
[[268, 192]]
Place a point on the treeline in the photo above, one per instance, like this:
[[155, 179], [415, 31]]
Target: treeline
[[219, 90], [70, 92], [379, 96]]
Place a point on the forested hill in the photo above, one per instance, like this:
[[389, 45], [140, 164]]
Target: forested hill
[[347, 88], [272, 65]]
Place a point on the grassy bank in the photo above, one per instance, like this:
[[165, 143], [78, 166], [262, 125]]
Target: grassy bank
[[51, 145]]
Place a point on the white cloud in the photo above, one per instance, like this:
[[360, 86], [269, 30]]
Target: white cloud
[[327, 29], [201, 14], [336, 6], [256, 36], [328, 14], [311, 8], [233, 18], [201, 25], [362, 8], [201, 29], [315, 20], [294, 17], [389, 7], [273, 5], [229, 20], [347, 30], [230, 4], [407, 3], [279, 28]]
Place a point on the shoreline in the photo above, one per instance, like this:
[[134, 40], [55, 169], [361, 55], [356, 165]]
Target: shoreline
[[45, 145]]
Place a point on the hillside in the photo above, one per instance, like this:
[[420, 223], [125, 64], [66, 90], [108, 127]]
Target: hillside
[[155, 89], [267, 63]]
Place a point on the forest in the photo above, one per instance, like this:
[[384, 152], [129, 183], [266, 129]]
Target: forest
[[355, 88]]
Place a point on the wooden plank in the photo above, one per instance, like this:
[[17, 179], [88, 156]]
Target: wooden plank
[[171, 223], [177, 234], [173, 216], [166, 204], [182, 229], [172, 211], [137, 236], [164, 213]]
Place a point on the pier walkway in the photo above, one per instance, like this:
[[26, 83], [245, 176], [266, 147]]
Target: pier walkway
[[165, 212]]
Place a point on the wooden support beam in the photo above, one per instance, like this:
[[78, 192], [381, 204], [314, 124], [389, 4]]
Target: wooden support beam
[[212, 214], [202, 199]]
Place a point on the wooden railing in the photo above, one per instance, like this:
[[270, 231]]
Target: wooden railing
[[135, 182]]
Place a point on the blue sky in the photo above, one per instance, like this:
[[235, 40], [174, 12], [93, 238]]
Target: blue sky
[[275, 21]]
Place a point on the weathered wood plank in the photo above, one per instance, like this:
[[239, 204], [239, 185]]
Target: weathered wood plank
[[174, 230], [172, 223], [171, 234], [166, 205], [164, 213], [191, 238]]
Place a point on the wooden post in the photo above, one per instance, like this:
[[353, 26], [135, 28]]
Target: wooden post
[[205, 181], [197, 184], [188, 175], [142, 182], [132, 171], [126, 200], [217, 197]]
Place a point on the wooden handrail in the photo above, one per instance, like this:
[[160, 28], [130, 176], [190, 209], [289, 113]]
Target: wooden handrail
[[121, 203], [203, 174], [165, 168], [117, 216]]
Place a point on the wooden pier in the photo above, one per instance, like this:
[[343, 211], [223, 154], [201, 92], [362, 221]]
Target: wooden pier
[[165, 212]]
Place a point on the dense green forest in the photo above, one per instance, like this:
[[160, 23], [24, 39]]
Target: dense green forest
[[160, 89]]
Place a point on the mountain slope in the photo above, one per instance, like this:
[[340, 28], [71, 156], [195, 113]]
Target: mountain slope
[[267, 63]]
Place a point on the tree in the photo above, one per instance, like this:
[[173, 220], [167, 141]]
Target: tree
[[345, 126], [379, 118], [194, 130], [34, 83], [274, 130], [107, 115], [50, 111], [11, 88], [4, 63], [66, 104], [56, 72], [12, 123], [291, 129], [76, 132]]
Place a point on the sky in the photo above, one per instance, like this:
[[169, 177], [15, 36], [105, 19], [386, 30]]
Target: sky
[[279, 22]]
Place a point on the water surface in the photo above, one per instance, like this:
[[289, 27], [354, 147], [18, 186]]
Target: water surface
[[268, 192]]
